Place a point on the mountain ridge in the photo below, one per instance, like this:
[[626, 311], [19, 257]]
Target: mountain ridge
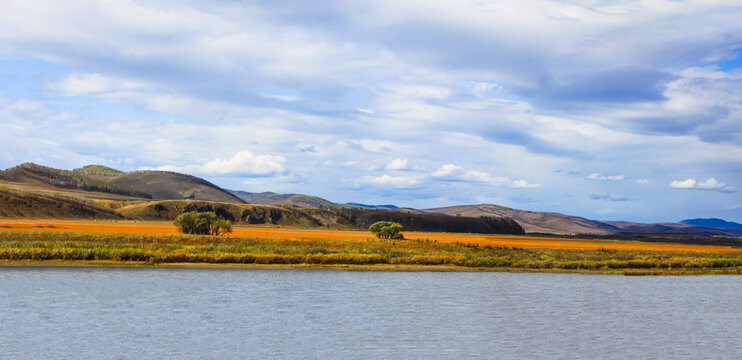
[[713, 222], [110, 188]]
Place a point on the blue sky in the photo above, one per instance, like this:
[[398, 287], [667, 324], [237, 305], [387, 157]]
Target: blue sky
[[625, 110]]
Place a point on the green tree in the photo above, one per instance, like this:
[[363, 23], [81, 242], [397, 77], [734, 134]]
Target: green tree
[[387, 230], [202, 223]]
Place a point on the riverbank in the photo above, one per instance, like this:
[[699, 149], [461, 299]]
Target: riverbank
[[371, 268], [96, 249]]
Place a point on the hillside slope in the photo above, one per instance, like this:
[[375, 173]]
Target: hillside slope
[[714, 223], [166, 185], [42, 177], [628, 226], [238, 213], [271, 198], [532, 221], [18, 204]]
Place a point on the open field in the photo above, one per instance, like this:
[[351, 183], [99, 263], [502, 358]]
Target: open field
[[130, 243], [110, 249], [139, 227]]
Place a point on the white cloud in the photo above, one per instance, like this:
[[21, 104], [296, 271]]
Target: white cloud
[[452, 172], [390, 181], [365, 84], [599, 176], [77, 84], [447, 170], [245, 163], [642, 181], [709, 184], [396, 164]]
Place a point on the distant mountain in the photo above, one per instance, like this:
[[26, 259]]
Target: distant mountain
[[714, 223], [532, 221], [628, 226], [300, 201], [97, 191], [271, 198], [365, 206], [167, 185]]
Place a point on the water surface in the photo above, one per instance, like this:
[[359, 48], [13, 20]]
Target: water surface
[[119, 313]]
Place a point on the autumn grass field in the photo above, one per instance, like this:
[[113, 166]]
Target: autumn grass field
[[159, 244]]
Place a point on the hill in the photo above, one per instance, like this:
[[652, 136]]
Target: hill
[[238, 213], [19, 204], [166, 185], [366, 206], [714, 223], [42, 177], [300, 201], [97, 170], [532, 221], [363, 218], [626, 226], [271, 198]]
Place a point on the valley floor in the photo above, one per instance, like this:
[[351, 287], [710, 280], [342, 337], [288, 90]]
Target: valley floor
[[262, 231], [133, 243]]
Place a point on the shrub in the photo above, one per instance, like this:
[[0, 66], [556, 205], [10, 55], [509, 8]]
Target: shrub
[[387, 230], [202, 223]]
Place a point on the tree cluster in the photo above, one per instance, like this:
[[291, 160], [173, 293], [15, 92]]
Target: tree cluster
[[387, 230], [202, 223]]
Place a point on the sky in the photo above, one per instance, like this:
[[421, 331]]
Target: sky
[[610, 110]]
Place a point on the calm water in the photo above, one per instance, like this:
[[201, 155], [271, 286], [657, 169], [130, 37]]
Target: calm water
[[298, 314]]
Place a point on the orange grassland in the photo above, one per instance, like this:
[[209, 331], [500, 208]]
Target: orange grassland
[[139, 227]]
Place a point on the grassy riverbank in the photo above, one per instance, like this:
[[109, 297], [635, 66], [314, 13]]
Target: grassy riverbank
[[186, 250]]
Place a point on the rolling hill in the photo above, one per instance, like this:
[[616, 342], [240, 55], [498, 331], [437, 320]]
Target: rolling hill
[[271, 198], [714, 223], [94, 191], [532, 221], [300, 201], [239, 213], [166, 185], [98, 172], [20, 204], [36, 177], [556, 223], [627, 226]]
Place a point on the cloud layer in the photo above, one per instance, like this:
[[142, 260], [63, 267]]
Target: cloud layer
[[709, 184], [545, 105]]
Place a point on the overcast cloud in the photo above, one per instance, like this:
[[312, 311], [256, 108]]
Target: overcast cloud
[[603, 109]]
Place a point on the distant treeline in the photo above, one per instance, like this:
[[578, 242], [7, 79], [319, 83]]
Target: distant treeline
[[67, 179], [434, 223]]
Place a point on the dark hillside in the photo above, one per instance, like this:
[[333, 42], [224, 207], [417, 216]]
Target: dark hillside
[[64, 179], [533, 221], [166, 185], [271, 198], [714, 223], [238, 213], [437, 223]]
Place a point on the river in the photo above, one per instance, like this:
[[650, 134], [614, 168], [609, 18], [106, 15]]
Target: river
[[154, 313]]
